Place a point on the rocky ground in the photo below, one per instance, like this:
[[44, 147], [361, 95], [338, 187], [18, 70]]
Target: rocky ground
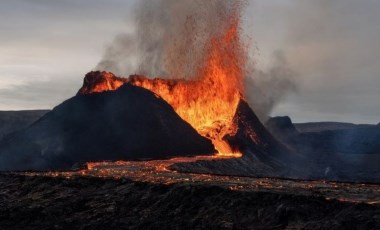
[[96, 203]]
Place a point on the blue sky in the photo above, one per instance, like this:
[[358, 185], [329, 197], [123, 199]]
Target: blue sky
[[47, 46]]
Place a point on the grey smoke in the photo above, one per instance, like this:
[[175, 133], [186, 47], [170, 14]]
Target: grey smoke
[[266, 88], [332, 45], [169, 40], [119, 57]]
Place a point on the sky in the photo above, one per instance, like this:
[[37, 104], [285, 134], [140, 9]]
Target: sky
[[332, 46]]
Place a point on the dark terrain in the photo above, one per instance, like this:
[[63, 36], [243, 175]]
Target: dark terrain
[[95, 203], [327, 136], [344, 151]]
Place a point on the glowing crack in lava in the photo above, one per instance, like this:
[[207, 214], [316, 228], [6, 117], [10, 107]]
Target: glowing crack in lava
[[209, 100]]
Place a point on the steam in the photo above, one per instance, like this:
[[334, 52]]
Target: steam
[[170, 39]]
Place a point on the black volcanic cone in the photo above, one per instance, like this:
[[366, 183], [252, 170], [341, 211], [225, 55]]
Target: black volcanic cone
[[129, 123]]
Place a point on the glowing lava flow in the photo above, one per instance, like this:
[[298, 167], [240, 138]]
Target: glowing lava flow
[[208, 102], [158, 171]]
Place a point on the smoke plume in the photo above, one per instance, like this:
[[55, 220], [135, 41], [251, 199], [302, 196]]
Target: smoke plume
[[170, 39]]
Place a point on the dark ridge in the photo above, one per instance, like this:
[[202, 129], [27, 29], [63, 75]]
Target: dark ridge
[[327, 126]]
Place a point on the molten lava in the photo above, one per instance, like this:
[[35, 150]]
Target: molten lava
[[209, 100]]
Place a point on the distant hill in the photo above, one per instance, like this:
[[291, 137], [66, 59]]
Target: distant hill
[[325, 126], [11, 121], [327, 137]]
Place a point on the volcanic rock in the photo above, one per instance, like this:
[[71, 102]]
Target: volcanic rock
[[129, 123], [96, 81]]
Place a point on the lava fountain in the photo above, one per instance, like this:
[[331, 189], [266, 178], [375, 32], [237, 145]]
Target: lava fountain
[[207, 101]]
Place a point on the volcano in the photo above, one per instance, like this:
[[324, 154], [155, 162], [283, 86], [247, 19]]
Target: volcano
[[235, 131], [126, 124], [111, 118], [239, 134]]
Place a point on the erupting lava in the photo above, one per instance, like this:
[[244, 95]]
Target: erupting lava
[[209, 100]]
